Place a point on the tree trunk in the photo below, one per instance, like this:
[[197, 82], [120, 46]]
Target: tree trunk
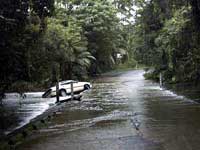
[[53, 73], [196, 12]]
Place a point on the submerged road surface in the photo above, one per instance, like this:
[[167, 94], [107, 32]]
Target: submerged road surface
[[122, 112]]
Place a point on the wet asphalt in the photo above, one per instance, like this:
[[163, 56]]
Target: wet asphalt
[[122, 112]]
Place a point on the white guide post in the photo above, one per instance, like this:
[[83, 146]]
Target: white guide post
[[161, 82]]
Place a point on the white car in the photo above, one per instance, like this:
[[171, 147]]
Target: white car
[[65, 88]]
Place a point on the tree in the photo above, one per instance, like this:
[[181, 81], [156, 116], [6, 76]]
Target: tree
[[19, 22], [67, 47], [167, 37]]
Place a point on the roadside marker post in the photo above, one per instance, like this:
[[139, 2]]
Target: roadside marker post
[[57, 93], [161, 82], [72, 91]]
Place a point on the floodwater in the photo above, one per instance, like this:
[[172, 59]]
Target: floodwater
[[19, 111], [122, 112]]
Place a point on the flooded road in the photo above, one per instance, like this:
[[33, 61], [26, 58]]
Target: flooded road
[[122, 112], [19, 111]]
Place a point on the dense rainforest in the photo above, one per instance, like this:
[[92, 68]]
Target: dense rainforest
[[47, 40], [167, 37], [42, 41]]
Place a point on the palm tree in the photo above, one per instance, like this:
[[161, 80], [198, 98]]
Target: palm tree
[[68, 47]]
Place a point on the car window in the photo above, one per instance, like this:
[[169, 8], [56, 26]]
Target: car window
[[64, 83], [67, 82]]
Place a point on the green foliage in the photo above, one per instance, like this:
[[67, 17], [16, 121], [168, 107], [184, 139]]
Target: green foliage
[[166, 36], [67, 46], [21, 27], [100, 24], [43, 40]]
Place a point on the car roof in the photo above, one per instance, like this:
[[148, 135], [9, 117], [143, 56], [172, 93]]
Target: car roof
[[66, 81]]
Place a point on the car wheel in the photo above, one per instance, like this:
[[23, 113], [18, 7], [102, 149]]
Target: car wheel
[[86, 87], [63, 92]]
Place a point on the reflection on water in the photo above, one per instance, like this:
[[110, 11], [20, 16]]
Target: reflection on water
[[123, 111], [23, 109]]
